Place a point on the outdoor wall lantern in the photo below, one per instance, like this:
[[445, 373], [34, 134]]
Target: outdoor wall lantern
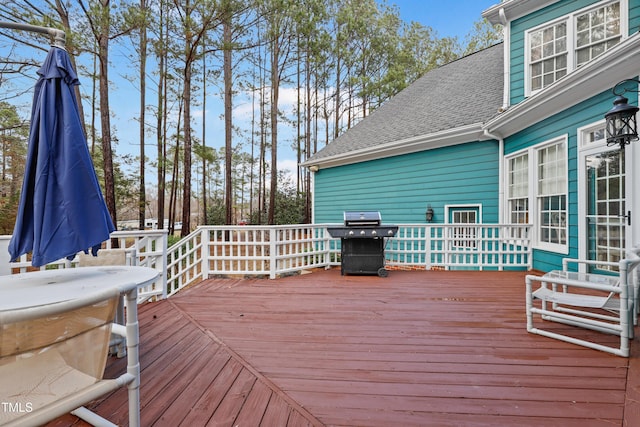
[[429, 214], [621, 126]]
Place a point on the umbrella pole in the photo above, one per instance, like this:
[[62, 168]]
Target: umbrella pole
[[59, 37]]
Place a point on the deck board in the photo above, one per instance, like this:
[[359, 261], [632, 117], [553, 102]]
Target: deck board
[[413, 349]]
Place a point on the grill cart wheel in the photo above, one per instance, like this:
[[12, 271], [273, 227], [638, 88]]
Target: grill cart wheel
[[383, 272]]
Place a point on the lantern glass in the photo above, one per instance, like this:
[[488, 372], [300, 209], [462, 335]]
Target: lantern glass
[[621, 127]]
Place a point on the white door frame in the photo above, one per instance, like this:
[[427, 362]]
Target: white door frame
[[632, 176]]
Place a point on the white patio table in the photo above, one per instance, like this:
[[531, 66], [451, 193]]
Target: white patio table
[[55, 316]]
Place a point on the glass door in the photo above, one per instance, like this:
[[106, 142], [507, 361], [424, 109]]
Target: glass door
[[606, 210]]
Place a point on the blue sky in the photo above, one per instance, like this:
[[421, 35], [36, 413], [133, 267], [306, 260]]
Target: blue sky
[[448, 18]]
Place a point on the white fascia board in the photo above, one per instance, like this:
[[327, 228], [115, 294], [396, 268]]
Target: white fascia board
[[514, 9], [621, 62], [446, 138]]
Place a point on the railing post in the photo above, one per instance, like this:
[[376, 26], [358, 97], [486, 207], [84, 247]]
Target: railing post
[[273, 247], [326, 242], [427, 247], [5, 258], [164, 243], [205, 252]]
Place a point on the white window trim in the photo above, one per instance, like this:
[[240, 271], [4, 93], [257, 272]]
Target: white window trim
[[571, 37], [507, 198], [464, 242], [530, 183], [552, 247], [583, 151], [534, 209], [470, 206]]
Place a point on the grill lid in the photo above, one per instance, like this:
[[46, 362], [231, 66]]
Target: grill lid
[[362, 218]]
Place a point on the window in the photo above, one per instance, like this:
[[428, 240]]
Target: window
[[558, 48], [548, 55], [518, 192], [596, 32], [552, 194], [536, 192], [465, 235]]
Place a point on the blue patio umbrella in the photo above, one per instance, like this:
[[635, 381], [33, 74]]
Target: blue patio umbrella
[[62, 210]]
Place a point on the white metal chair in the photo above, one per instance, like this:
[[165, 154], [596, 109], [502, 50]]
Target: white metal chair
[[593, 301]]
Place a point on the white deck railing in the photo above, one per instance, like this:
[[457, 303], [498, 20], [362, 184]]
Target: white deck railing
[[144, 248], [272, 251]]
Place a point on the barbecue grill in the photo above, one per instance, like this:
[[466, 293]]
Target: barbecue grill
[[362, 242]]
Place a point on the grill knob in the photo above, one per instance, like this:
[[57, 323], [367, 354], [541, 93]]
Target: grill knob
[[362, 232], [351, 233], [374, 233], [390, 232]]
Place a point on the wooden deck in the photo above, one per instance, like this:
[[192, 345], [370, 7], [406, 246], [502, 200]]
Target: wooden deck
[[430, 348]]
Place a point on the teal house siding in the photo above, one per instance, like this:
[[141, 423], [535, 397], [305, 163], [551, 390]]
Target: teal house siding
[[520, 26], [564, 123], [401, 187]]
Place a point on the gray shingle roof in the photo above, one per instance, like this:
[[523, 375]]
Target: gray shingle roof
[[463, 92]]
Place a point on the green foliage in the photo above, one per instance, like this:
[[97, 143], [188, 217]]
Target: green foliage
[[482, 36], [13, 146], [216, 212]]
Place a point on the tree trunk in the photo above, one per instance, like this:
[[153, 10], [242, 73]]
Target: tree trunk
[[162, 120], [275, 89], [228, 124], [142, 199], [105, 120]]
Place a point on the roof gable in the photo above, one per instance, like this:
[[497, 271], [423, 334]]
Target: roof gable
[[466, 92]]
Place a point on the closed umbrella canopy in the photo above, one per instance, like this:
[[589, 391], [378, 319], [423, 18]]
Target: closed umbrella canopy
[[62, 210]]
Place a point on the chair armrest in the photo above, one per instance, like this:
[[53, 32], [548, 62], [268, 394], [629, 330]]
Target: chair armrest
[[567, 261], [575, 283]]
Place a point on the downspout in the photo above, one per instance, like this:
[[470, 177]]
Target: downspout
[[506, 62], [313, 169], [500, 173]]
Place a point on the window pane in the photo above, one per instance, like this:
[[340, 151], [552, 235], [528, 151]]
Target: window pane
[[536, 69], [536, 39], [597, 17], [536, 53], [548, 34], [536, 83], [582, 38], [548, 79], [597, 33], [547, 49], [561, 62], [582, 23], [584, 55], [549, 65], [561, 30], [598, 49]]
